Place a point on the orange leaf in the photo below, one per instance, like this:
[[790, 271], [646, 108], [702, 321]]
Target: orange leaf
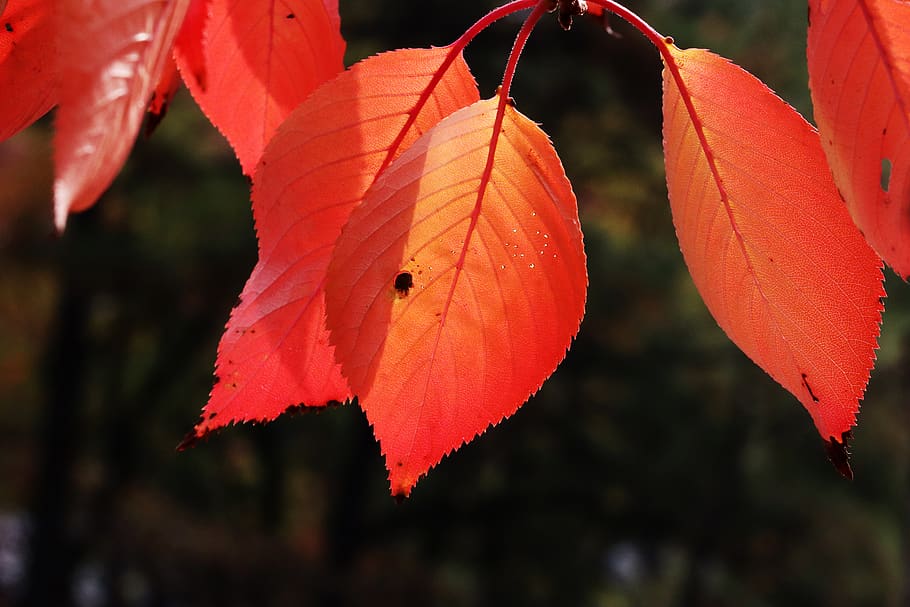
[[859, 74], [456, 287], [113, 54], [768, 242], [275, 351], [27, 55], [261, 60]]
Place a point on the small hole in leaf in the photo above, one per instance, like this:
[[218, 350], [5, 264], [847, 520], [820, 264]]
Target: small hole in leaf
[[403, 283], [886, 173]]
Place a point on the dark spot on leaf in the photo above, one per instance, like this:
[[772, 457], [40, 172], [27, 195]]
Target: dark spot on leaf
[[809, 388], [155, 118], [189, 441], [304, 408], [839, 454], [295, 409], [886, 174], [9, 27], [289, 16], [212, 415], [403, 283]]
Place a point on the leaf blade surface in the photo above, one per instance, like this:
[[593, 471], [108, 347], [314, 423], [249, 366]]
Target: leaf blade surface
[[261, 60], [27, 64], [770, 245], [859, 76], [275, 351], [449, 307]]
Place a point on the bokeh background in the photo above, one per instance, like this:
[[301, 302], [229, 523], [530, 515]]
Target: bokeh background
[[657, 467]]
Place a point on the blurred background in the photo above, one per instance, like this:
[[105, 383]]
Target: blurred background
[[657, 467]]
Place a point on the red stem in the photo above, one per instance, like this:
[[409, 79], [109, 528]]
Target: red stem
[[541, 7], [455, 50], [487, 20]]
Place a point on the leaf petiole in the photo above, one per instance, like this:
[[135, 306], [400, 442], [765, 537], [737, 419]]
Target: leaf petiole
[[455, 49]]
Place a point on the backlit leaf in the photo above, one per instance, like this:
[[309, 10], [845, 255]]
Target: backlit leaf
[[113, 53], [768, 241], [261, 60], [27, 64], [859, 74], [456, 287], [275, 351], [190, 43]]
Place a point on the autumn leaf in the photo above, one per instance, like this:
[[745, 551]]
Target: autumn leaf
[[189, 47], [116, 53], [768, 241], [162, 96], [457, 286], [262, 59], [859, 75], [28, 77], [190, 42], [275, 351]]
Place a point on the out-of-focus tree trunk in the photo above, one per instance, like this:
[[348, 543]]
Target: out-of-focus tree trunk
[[51, 555]]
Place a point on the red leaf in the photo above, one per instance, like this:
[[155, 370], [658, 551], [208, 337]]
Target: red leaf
[[859, 74], [27, 56], [189, 45], [456, 287], [766, 237], [115, 53], [275, 352], [162, 96], [262, 59]]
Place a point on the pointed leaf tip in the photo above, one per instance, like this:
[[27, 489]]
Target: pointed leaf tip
[[839, 454], [496, 290], [116, 53], [769, 244]]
